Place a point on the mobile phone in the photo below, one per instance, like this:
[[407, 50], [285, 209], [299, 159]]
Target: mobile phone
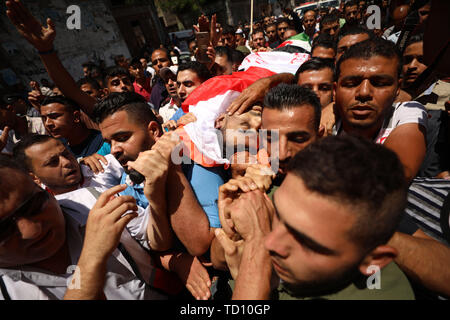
[[202, 44]]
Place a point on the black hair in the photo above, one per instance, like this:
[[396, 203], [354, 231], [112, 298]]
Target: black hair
[[291, 49], [371, 48], [259, 30], [131, 102], [289, 22], [115, 71], [88, 80], [227, 29], [237, 56], [28, 141], [314, 64], [415, 38], [7, 161], [68, 103], [351, 3], [334, 167], [352, 30], [289, 96], [199, 68]]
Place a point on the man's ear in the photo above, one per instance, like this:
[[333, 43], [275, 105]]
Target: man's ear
[[381, 256], [220, 121], [77, 116], [154, 129], [35, 178]]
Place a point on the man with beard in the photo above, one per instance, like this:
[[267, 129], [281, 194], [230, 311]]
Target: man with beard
[[326, 231]]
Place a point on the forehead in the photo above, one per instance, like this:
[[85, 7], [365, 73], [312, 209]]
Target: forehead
[[351, 8], [322, 52], [254, 113], [316, 76], [330, 25], [309, 14], [53, 107], [187, 75], [352, 39], [159, 54], [271, 29], [376, 65], [118, 77], [282, 25], [258, 35], [289, 120]]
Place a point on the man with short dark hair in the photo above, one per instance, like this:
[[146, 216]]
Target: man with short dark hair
[[229, 36], [282, 25], [272, 35], [350, 36], [258, 40], [160, 59], [351, 13], [318, 75], [309, 26], [324, 47], [329, 24], [313, 257], [141, 82], [223, 64], [367, 85]]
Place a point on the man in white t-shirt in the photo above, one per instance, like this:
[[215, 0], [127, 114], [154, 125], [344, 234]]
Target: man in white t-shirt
[[366, 87]]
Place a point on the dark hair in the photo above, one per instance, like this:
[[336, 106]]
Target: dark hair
[[163, 49], [8, 162], [371, 48], [68, 103], [285, 20], [115, 71], [88, 80], [324, 40], [352, 30], [227, 29], [224, 50], [314, 64], [329, 18], [199, 68], [291, 49], [357, 172], [288, 96], [136, 61], [271, 25], [258, 30], [308, 10], [25, 143], [350, 3], [131, 102]]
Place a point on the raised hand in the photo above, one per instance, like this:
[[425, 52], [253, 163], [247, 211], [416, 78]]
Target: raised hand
[[30, 28]]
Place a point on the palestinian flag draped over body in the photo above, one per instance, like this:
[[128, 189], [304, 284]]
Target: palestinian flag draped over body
[[213, 97]]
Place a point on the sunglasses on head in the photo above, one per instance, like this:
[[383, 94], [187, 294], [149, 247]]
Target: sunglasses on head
[[29, 208]]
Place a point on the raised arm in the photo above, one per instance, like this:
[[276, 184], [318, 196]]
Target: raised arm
[[42, 39]]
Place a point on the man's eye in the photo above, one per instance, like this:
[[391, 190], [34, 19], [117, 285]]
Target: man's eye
[[325, 87], [115, 83]]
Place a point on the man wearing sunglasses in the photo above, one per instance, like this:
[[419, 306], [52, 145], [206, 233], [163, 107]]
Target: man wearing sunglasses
[[42, 247]]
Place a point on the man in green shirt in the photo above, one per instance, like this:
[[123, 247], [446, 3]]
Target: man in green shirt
[[309, 25]]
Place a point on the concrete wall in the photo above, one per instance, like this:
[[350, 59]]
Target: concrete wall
[[98, 38]]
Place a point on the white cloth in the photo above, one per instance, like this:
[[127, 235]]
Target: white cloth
[[168, 110]]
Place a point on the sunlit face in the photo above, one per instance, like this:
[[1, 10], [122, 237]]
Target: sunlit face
[[365, 90], [55, 166], [296, 130], [121, 83], [309, 21], [281, 29], [309, 244], [137, 71], [351, 14], [187, 81], [323, 53], [413, 65], [271, 33], [319, 81], [127, 138], [225, 67], [59, 119], [229, 40], [40, 234], [331, 28]]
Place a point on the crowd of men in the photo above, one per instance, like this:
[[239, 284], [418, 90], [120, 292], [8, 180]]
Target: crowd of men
[[141, 181]]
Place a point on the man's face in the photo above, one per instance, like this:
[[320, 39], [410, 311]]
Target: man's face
[[143, 62], [121, 83], [323, 53], [351, 15], [319, 81], [309, 21], [309, 244], [424, 12], [229, 40], [59, 119], [348, 41], [187, 81], [259, 41], [331, 28], [267, 20], [413, 63], [160, 60], [295, 131], [54, 165], [127, 138], [225, 66], [365, 90], [271, 33], [281, 29], [34, 238], [94, 93], [192, 47]]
